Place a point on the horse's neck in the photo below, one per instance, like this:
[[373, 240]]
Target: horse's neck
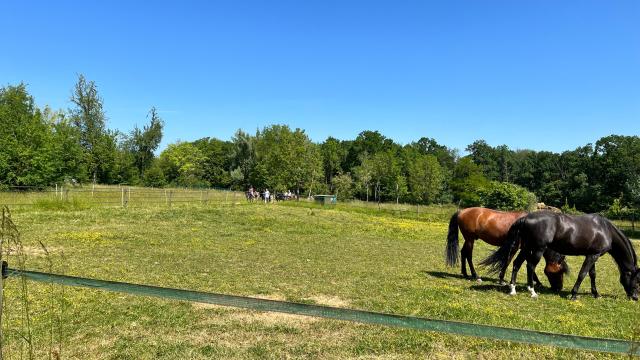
[[622, 250]]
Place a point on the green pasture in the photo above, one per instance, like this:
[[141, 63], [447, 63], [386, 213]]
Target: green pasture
[[388, 259]]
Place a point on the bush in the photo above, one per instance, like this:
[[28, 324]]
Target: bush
[[507, 196]]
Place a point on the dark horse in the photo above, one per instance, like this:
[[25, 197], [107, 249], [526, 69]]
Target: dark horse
[[492, 226], [587, 235]]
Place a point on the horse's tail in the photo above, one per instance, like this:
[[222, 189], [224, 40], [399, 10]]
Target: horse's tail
[[500, 258], [452, 241]]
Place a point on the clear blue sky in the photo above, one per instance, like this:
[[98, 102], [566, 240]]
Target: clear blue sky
[[533, 74]]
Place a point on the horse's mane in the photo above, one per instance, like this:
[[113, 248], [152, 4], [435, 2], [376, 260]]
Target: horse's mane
[[626, 241]]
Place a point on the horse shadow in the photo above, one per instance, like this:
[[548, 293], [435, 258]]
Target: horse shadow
[[544, 289], [446, 275], [493, 285]]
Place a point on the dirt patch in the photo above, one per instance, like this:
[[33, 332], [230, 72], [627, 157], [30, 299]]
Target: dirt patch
[[273, 318], [37, 251], [329, 300], [208, 306]]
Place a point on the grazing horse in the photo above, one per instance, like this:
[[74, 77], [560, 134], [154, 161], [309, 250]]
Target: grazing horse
[[587, 235], [492, 226]]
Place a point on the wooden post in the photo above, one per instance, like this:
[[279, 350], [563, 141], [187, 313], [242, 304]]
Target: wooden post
[[122, 196], [170, 196]]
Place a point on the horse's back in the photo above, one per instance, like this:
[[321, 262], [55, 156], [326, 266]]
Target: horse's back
[[568, 234], [489, 225]]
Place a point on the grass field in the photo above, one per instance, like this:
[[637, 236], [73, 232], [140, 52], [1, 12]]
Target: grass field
[[355, 256]]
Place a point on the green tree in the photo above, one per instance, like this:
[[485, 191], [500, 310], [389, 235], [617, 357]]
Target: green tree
[[485, 157], [364, 175], [506, 196], [243, 157], [467, 182], [143, 142], [343, 186], [154, 176], [386, 176], [287, 159], [425, 178], [217, 166], [333, 155], [182, 163], [26, 141], [98, 142]]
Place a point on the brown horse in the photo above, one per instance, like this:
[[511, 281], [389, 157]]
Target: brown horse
[[493, 226]]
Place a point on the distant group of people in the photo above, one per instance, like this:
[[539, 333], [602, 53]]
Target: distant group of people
[[266, 196]]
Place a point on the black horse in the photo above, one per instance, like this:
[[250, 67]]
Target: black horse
[[587, 235]]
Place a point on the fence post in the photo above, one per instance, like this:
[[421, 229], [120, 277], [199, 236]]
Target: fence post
[[122, 196], [170, 196], [66, 194]]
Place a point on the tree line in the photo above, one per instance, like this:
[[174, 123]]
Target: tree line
[[41, 146]]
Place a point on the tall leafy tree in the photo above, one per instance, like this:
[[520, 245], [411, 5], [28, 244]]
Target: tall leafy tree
[[98, 142], [182, 163], [243, 157], [467, 183], [287, 160], [426, 179], [333, 155], [217, 166], [144, 142], [25, 140]]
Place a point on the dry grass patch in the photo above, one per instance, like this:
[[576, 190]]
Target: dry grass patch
[[329, 300]]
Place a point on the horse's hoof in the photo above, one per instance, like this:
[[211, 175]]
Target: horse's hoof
[[573, 298], [513, 290], [596, 296], [534, 296], [479, 281], [502, 283]]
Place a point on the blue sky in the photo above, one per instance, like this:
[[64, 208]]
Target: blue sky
[[544, 75]]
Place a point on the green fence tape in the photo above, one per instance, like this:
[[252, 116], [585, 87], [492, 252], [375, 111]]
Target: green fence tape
[[367, 317]]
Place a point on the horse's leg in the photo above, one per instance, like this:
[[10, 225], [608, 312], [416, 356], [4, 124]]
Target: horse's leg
[[536, 280], [533, 259], [466, 248], [592, 275], [588, 263], [474, 275], [504, 271], [514, 274]]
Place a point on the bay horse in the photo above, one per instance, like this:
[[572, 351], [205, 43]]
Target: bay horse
[[493, 226], [590, 236]]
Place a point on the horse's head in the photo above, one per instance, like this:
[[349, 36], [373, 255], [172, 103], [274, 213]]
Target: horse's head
[[555, 271], [630, 281]]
